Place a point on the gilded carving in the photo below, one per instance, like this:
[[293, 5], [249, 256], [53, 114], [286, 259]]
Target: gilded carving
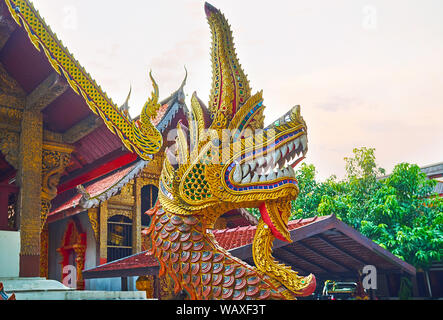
[[125, 196], [55, 158], [11, 94], [119, 212], [29, 179], [45, 207], [53, 164], [44, 243], [146, 283], [209, 174], [94, 220], [10, 115], [80, 250], [9, 146], [103, 230], [166, 288], [140, 136]]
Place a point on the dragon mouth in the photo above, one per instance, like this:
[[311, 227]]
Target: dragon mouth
[[271, 167], [262, 253], [274, 224], [276, 216]]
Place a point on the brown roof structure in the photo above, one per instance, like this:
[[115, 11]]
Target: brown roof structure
[[324, 246], [173, 109]]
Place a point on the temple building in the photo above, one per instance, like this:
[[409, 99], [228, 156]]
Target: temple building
[[62, 198], [107, 213], [75, 200]]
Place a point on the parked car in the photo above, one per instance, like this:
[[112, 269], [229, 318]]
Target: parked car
[[337, 290]]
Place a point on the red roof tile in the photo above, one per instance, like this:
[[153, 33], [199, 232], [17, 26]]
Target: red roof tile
[[241, 236], [95, 188]]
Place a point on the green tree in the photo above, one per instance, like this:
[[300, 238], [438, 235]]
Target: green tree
[[398, 212], [405, 217], [311, 192]]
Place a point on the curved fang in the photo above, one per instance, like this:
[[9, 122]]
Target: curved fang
[[262, 254]]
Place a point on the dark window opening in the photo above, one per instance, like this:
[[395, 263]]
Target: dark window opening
[[119, 237]]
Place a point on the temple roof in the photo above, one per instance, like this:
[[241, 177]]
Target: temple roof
[[102, 189], [323, 245], [44, 69], [32, 54], [172, 110]]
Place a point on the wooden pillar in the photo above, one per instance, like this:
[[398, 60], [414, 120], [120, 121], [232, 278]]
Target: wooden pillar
[[157, 294], [29, 179], [137, 218], [103, 232], [124, 282], [80, 251], [55, 158]]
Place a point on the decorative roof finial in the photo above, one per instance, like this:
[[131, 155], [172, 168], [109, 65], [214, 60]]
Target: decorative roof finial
[[124, 108]]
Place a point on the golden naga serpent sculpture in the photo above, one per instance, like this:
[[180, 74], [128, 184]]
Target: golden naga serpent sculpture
[[223, 160]]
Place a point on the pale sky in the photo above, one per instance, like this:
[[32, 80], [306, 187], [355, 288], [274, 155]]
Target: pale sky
[[366, 73]]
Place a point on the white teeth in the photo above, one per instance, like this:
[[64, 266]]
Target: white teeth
[[253, 164], [296, 143], [277, 155], [237, 173], [245, 170], [247, 179], [268, 159], [304, 141], [287, 118], [281, 163], [284, 149], [275, 165], [261, 162], [272, 176], [286, 172]]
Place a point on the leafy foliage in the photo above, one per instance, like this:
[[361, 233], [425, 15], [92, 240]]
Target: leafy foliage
[[398, 212]]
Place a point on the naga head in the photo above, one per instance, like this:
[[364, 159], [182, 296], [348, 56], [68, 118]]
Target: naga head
[[225, 159]]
